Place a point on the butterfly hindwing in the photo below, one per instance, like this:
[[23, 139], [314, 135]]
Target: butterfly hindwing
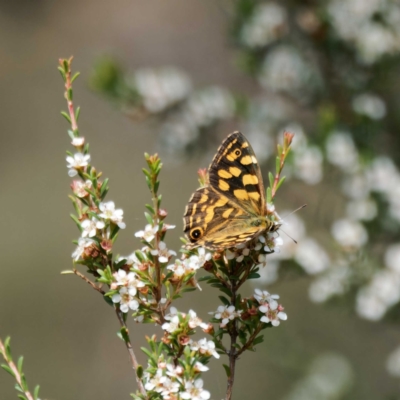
[[235, 173], [213, 221]]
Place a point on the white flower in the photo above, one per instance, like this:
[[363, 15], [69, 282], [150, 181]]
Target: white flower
[[383, 175], [369, 105], [273, 316], [180, 269], [308, 165], [284, 69], [79, 188], [341, 151], [267, 23], [163, 253], [161, 88], [262, 296], [195, 321], [268, 273], [78, 141], [392, 257], [173, 312], [356, 186], [199, 367], [311, 256], [334, 282], [349, 234], [108, 211], [172, 325], [174, 372], [206, 106], [90, 227], [195, 391], [126, 300], [225, 314], [77, 162], [204, 346], [148, 234], [362, 209], [130, 280], [369, 305], [83, 243], [393, 363]]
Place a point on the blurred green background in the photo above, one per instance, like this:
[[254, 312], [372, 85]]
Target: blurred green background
[[66, 332]]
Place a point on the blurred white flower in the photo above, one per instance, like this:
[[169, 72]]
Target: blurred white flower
[[369, 105], [392, 257], [267, 24], [369, 305], [161, 88], [334, 282], [349, 233], [311, 256], [354, 21], [268, 273], [382, 175], [393, 363], [356, 186], [284, 69], [329, 378], [77, 162], [206, 106], [362, 209], [341, 151], [308, 165], [260, 139], [108, 211]]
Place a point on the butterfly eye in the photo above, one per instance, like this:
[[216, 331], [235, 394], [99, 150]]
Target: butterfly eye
[[196, 233], [238, 153]]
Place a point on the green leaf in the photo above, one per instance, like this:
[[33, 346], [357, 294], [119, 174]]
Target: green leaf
[[66, 116], [8, 369], [227, 370], [258, 340], [20, 364], [75, 76], [139, 371], [280, 182], [253, 275], [62, 73], [150, 208], [70, 94], [224, 300], [21, 396], [8, 348], [36, 392], [271, 179], [149, 218], [77, 113], [124, 334], [269, 195], [277, 164]]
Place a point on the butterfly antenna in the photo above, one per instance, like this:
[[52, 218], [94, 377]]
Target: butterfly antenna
[[288, 234], [297, 209]]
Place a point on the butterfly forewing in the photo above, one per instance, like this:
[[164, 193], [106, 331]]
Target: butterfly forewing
[[231, 209], [235, 173]]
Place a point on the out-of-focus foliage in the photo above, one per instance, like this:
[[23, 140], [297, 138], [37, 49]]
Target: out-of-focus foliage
[[326, 71]]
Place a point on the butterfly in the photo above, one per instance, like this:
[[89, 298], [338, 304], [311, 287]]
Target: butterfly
[[231, 208]]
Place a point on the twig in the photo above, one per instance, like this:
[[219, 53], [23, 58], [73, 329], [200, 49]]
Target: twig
[[15, 371], [127, 340], [249, 341], [87, 280]]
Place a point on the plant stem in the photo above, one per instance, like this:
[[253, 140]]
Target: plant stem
[[15, 371], [132, 356]]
